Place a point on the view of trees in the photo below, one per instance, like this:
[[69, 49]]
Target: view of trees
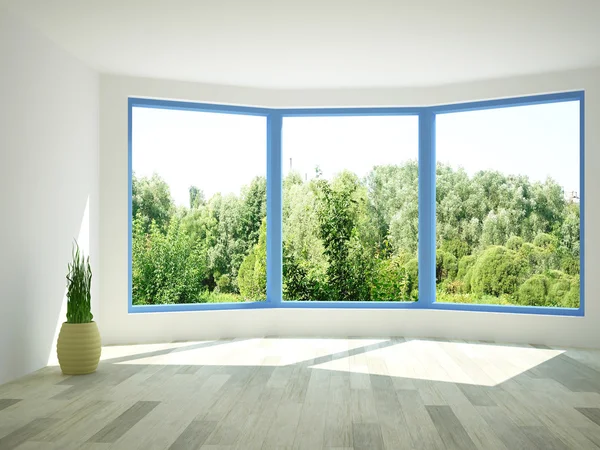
[[501, 239]]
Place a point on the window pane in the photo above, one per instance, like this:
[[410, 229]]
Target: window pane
[[198, 207], [508, 206], [350, 208]]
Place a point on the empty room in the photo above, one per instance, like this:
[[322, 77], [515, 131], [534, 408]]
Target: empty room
[[318, 224]]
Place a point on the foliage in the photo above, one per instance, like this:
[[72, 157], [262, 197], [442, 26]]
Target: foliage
[[446, 266], [196, 197], [167, 267], [514, 243], [338, 208], [392, 281], [79, 283], [534, 291], [497, 271], [304, 260], [252, 276], [501, 239], [151, 201]]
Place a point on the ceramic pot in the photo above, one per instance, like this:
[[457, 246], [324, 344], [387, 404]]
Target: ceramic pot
[[78, 348]]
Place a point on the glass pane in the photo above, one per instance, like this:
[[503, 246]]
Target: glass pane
[[508, 206], [350, 208], [198, 207]]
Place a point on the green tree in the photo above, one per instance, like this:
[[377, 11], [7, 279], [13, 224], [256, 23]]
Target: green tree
[[392, 193], [196, 197], [253, 209], [500, 238], [166, 267], [252, 276], [151, 201], [534, 291], [304, 261], [392, 281], [338, 208], [497, 271]]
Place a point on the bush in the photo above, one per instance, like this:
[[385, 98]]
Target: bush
[[534, 292], [514, 243], [453, 287], [563, 289], [214, 297], [572, 298], [558, 291], [468, 281], [458, 247], [224, 285], [567, 262], [539, 259], [465, 272], [252, 275], [546, 241], [497, 271], [166, 268], [412, 270], [446, 266], [465, 264], [390, 281], [527, 249]]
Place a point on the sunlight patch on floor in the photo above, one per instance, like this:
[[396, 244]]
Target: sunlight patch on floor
[[455, 362], [238, 352], [463, 362]]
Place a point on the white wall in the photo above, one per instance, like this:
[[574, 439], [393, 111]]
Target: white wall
[[120, 327], [48, 174]]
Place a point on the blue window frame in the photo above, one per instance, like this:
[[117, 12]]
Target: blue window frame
[[426, 198]]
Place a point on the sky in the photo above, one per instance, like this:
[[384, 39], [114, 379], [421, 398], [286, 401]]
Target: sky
[[223, 152]]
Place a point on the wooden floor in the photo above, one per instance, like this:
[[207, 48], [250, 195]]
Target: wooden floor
[[312, 394]]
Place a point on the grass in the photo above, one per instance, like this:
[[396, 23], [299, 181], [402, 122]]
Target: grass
[[207, 297], [443, 297], [217, 297]]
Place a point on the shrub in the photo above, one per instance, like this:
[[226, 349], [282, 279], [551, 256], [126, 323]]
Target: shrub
[[446, 266], [224, 285], [539, 259], [567, 262], [458, 247], [468, 281], [412, 270], [527, 249], [534, 292], [390, 281], [572, 298], [514, 243], [465, 264], [563, 289], [558, 291], [252, 275], [453, 287], [465, 272], [166, 268], [546, 241], [497, 271]]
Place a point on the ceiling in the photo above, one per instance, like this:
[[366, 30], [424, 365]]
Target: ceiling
[[322, 43]]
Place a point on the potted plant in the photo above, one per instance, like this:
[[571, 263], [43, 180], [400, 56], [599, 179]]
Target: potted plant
[[78, 346]]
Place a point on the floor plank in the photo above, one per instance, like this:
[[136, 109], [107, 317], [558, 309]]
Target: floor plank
[[122, 424], [450, 429], [315, 393]]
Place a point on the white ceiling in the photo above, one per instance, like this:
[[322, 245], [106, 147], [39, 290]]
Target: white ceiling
[[322, 43]]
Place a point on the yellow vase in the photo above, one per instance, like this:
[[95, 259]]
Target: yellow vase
[[78, 348]]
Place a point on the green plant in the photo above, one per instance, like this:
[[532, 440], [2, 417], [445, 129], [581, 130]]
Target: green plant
[[497, 271], [79, 281], [534, 291]]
